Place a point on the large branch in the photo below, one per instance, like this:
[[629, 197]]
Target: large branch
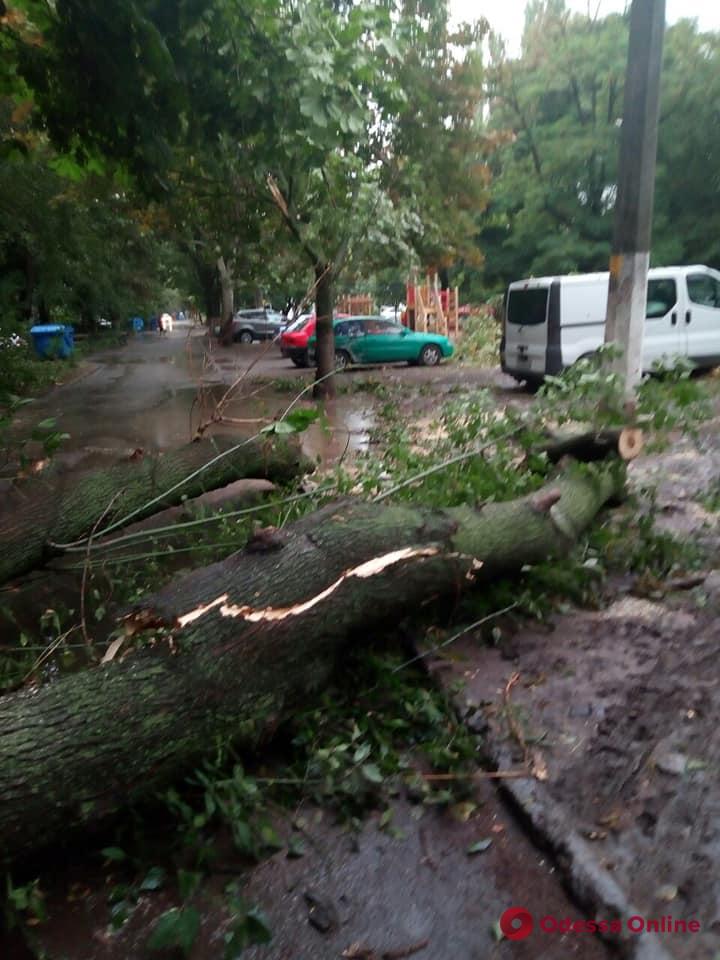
[[51, 510], [232, 648]]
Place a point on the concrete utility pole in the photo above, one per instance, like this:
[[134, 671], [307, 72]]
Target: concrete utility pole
[[636, 186]]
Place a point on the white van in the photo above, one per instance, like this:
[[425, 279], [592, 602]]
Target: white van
[[550, 322]]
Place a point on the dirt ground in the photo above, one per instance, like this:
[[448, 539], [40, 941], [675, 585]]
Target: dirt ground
[[617, 711], [620, 708]]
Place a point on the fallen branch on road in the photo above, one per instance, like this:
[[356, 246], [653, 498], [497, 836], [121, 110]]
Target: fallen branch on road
[[44, 515]]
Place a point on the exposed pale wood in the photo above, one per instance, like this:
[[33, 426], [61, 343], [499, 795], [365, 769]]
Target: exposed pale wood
[[233, 648]]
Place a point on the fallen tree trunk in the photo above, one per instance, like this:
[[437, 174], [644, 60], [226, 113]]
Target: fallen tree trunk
[[232, 648], [47, 511]]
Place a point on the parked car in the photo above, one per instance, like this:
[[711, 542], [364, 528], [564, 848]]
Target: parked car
[[377, 340], [551, 322], [294, 340], [256, 324], [389, 312]]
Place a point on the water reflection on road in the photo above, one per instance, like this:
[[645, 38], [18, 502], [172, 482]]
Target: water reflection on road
[[155, 393]]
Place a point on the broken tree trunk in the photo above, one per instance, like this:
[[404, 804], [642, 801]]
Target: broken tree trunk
[[47, 511], [232, 648]]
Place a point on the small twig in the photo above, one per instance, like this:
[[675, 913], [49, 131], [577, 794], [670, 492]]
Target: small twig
[[455, 636], [427, 858], [153, 533], [478, 775], [512, 723], [347, 447], [307, 389], [405, 951], [48, 653], [217, 414], [86, 567], [685, 583], [236, 420]]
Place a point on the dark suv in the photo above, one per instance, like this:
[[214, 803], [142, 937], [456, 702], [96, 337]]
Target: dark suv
[[259, 324]]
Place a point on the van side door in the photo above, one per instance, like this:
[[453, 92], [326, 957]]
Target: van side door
[[701, 317], [664, 334]]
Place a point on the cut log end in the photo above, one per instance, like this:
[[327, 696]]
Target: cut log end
[[630, 443]]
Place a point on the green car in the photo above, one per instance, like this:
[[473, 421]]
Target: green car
[[375, 340]]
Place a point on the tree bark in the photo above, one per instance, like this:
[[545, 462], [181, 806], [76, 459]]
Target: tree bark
[[325, 342], [227, 297], [233, 648], [54, 509]]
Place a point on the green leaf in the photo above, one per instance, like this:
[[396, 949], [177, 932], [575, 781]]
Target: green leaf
[[480, 846], [390, 46], [188, 882], [301, 418], [154, 879], [372, 772], [113, 853], [46, 424], [257, 927], [270, 838], [249, 929], [120, 913], [279, 428], [362, 753], [313, 109], [296, 849], [176, 928]]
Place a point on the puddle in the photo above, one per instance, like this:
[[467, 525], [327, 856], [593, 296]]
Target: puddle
[[103, 430]]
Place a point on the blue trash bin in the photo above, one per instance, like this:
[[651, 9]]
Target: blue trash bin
[[137, 324], [52, 340]]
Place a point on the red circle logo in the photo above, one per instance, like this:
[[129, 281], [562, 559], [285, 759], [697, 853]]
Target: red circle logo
[[516, 923]]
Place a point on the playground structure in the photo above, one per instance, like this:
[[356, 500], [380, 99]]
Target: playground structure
[[356, 304], [430, 309]]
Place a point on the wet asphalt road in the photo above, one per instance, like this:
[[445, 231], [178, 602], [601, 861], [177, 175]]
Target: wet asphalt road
[[152, 393]]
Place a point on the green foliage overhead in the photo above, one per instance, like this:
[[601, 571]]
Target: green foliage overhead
[[555, 112]]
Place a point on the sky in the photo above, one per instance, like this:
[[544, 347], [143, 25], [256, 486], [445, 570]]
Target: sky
[[508, 16]]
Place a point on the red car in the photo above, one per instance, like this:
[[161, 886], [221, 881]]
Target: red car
[[294, 342]]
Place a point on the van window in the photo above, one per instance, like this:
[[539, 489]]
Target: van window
[[527, 307], [661, 298], [703, 290]]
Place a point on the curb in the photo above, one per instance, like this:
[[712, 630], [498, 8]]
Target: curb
[[590, 882]]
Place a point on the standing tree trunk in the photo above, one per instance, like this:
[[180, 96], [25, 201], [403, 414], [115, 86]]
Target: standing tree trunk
[[227, 299], [232, 649], [30, 278], [325, 344], [208, 276]]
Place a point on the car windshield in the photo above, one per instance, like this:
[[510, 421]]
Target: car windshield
[[299, 322]]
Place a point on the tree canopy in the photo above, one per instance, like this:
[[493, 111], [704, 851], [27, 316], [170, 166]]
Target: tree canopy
[[558, 107], [269, 145]]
